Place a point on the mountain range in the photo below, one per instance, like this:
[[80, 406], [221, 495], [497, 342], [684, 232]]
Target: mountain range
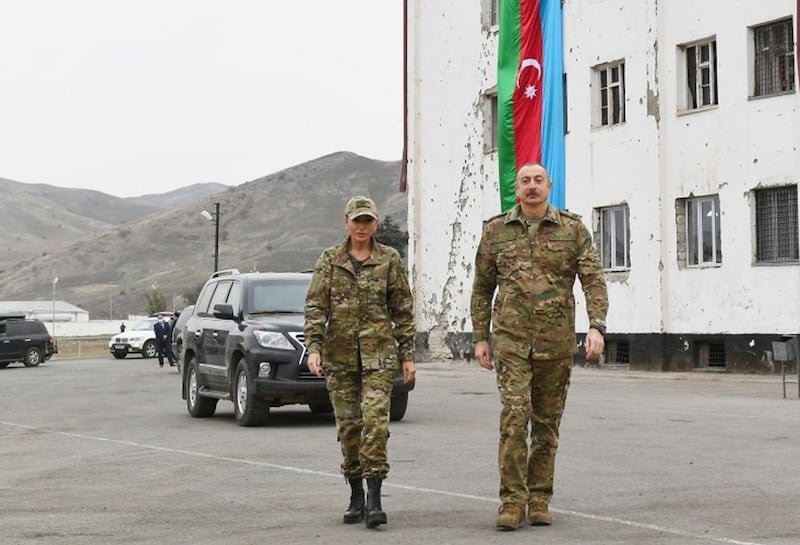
[[109, 253]]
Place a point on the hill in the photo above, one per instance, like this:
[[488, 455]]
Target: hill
[[279, 222], [37, 219]]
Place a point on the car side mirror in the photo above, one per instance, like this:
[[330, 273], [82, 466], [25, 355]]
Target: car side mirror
[[224, 311]]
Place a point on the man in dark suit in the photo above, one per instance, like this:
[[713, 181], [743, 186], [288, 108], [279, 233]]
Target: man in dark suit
[[163, 341]]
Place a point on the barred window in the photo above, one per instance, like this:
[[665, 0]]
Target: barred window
[[776, 225], [703, 235], [611, 97], [614, 238], [774, 58]]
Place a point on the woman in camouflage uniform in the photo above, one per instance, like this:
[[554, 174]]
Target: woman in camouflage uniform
[[359, 317]]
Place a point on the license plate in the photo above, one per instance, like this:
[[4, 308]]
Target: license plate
[[120, 347]]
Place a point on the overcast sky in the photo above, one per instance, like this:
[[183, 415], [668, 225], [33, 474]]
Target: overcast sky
[[132, 97]]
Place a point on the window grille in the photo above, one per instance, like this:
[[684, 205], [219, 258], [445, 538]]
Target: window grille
[[776, 224], [774, 58], [618, 352], [711, 354]]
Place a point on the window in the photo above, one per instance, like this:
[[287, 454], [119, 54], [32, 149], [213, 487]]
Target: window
[[235, 298], [614, 238], [776, 225], [493, 16], [490, 121], [220, 295], [611, 98], [774, 58], [703, 231], [618, 352], [701, 75]]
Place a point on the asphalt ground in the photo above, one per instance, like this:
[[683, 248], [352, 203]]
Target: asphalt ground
[[102, 451]]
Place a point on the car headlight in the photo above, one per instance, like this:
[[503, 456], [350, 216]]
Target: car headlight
[[273, 339]]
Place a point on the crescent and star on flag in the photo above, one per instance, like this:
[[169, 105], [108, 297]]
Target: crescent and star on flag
[[530, 89]]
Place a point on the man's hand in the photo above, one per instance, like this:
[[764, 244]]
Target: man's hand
[[595, 344], [409, 371], [314, 364], [482, 355]]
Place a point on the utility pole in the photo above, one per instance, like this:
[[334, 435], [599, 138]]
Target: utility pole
[[216, 236]]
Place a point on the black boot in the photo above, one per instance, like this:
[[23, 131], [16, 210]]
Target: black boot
[[355, 511], [375, 515]]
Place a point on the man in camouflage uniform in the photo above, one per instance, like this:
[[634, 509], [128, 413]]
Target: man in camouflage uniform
[[359, 317], [532, 255]]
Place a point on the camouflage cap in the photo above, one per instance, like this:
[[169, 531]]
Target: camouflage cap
[[360, 206]]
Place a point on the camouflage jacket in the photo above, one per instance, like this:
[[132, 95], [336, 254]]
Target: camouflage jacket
[[535, 306], [373, 310]]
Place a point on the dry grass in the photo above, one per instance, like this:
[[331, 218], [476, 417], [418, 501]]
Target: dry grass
[[82, 347]]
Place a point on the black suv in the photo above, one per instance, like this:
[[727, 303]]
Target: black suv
[[24, 340], [244, 343]]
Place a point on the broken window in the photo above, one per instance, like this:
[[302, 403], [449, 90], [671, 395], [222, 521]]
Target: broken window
[[701, 74], [774, 66], [614, 238], [703, 235], [611, 97]]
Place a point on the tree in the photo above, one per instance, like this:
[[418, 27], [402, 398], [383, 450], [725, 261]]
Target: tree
[[389, 233], [155, 301]]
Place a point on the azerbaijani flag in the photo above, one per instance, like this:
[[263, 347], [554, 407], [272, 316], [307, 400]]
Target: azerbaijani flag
[[530, 94]]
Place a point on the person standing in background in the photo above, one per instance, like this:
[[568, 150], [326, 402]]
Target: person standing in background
[[163, 341]]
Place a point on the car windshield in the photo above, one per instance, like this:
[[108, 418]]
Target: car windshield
[[145, 324], [278, 296]]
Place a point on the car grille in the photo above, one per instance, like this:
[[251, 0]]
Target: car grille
[[303, 373]]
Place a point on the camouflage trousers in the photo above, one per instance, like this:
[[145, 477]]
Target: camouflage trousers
[[360, 402], [533, 393]]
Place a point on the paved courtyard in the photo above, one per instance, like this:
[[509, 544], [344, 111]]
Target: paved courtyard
[[98, 451]]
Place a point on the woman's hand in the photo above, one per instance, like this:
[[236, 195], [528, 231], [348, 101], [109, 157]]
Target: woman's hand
[[314, 364], [409, 371]]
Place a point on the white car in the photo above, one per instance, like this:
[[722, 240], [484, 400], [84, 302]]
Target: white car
[[140, 339]]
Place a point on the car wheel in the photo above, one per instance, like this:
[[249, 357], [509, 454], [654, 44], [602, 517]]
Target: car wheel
[[398, 406], [149, 349], [321, 408], [250, 410], [197, 405], [33, 357], [120, 354]]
